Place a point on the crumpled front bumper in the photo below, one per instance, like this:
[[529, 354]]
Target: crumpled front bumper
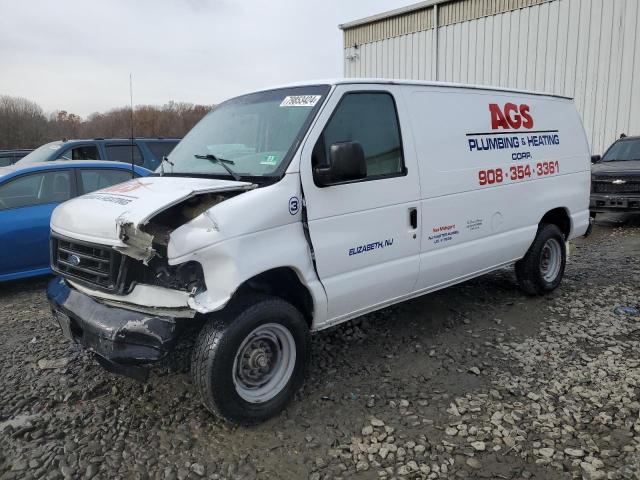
[[124, 341]]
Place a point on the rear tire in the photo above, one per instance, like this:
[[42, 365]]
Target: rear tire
[[249, 362], [542, 268], [592, 220]]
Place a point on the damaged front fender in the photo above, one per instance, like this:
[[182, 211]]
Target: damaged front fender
[[141, 236], [138, 244]]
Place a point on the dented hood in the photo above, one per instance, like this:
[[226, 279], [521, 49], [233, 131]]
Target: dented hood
[[98, 215]]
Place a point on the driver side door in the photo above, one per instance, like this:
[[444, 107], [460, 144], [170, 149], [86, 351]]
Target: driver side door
[[365, 233]]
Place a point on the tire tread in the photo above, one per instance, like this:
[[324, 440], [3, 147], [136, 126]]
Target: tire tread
[[527, 269], [212, 336]]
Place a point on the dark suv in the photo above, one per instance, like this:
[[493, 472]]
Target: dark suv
[[615, 178], [9, 157], [146, 152]]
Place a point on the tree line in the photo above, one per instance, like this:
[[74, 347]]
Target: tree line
[[23, 123]]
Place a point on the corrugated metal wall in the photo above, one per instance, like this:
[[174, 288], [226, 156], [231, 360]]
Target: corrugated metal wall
[[390, 27], [463, 10], [586, 49]]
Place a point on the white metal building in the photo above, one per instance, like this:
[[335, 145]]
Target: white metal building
[[585, 49]]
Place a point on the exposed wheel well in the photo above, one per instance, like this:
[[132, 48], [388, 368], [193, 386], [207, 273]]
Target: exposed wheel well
[[560, 218], [284, 283]]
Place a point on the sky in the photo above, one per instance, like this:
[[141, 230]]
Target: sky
[[76, 55]]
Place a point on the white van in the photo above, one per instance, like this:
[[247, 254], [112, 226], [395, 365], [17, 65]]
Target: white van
[[289, 210]]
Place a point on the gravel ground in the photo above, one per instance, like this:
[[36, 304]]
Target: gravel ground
[[476, 381]]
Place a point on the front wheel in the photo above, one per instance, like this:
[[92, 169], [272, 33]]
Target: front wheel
[[542, 268], [249, 363]]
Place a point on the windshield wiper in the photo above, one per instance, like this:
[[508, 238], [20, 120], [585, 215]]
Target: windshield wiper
[[221, 161]]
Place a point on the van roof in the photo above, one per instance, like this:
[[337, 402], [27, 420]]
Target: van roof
[[388, 81]]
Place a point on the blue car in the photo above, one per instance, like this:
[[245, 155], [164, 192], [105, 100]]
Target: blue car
[[28, 195]]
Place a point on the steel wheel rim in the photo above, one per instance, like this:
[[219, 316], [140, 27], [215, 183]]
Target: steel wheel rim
[[550, 260], [264, 363]]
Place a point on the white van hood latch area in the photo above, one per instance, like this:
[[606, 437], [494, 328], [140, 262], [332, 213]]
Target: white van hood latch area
[[135, 215], [148, 227]]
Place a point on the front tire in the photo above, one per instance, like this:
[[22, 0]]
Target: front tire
[[542, 268], [249, 362]]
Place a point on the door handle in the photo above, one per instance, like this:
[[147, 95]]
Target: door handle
[[413, 218]]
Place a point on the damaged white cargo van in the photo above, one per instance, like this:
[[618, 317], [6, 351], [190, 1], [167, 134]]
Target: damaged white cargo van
[[292, 209]]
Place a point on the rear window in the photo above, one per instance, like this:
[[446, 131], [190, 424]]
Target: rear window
[[161, 149], [92, 180], [122, 153]]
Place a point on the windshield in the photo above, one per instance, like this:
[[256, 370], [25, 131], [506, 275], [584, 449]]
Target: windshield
[[623, 150], [40, 154], [255, 134]]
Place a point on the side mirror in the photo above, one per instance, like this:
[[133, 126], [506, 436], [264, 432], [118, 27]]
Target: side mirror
[[595, 158], [346, 162]]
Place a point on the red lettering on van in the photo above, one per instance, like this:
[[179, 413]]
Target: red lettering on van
[[527, 119], [443, 228], [125, 187], [511, 116]]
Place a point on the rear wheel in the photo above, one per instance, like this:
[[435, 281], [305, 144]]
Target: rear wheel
[[249, 363], [542, 268], [592, 220]]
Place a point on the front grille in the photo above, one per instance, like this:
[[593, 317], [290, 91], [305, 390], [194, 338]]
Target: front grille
[[607, 186], [92, 264]]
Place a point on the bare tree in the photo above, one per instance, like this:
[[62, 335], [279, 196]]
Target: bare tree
[[23, 123]]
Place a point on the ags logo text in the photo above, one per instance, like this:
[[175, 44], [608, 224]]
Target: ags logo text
[[511, 116]]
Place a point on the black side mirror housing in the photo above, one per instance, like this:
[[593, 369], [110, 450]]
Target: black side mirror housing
[[346, 162], [595, 158]]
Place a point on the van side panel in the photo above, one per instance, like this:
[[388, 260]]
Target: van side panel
[[491, 165]]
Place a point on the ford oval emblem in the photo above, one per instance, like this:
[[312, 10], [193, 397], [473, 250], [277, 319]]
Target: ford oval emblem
[[74, 260], [619, 182]]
